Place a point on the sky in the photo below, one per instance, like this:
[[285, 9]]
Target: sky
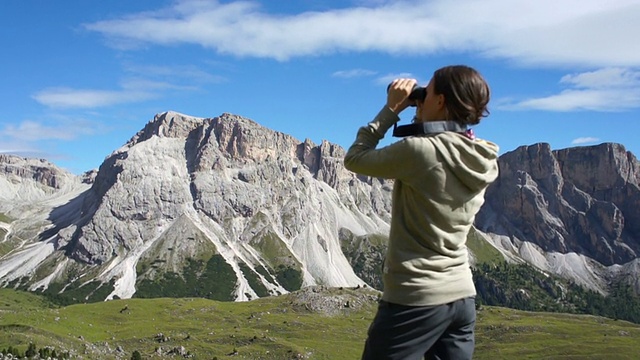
[[79, 78]]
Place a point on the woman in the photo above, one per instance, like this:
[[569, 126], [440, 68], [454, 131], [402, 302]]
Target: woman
[[428, 306]]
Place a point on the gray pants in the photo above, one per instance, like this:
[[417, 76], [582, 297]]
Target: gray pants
[[400, 332]]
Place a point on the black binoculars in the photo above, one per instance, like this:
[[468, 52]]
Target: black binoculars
[[417, 95]]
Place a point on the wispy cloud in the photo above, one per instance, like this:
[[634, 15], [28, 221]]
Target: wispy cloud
[[144, 82], [62, 97], [31, 131], [584, 140], [353, 73], [176, 73], [571, 32], [616, 77], [609, 89], [17, 149], [34, 153], [40, 138], [577, 33]]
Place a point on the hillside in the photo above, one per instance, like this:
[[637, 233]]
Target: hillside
[[315, 323]]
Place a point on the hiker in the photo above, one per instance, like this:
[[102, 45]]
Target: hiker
[[440, 172]]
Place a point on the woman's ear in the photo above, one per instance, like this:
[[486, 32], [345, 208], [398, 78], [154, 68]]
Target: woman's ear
[[440, 101], [441, 107]]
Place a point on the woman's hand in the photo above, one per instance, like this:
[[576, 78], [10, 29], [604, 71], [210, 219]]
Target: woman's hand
[[398, 94]]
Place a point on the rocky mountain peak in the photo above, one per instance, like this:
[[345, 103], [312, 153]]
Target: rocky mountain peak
[[168, 124], [600, 168], [258, 208], [584, 200], [25, 180], [38, 170]]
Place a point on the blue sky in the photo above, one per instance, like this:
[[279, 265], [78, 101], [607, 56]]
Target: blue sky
[[79, 78]]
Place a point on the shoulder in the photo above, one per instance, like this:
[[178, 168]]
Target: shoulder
[[452, 139], [416, 144]]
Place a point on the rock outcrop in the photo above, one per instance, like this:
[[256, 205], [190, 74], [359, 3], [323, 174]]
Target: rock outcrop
[[24, 181], [569, 212], [582, 200]]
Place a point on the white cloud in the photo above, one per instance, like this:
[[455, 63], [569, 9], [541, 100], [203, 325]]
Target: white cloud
[[31, 131], [584, 140], [31, 152], [145, 83], [89, 98], [17, 150], [609, 89], [353, 73], [589, 33], [622, 78], [131, 90]]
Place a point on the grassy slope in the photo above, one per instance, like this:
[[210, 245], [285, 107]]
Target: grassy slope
[[4, 218], [4, 248], [484, 252], [512, 334], [266, 328], [270, 328]]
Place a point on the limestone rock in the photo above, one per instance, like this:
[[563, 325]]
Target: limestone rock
[[582, 200]]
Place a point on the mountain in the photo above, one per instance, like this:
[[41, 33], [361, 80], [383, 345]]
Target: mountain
[[573, 212], [215, 207], [226, 209]]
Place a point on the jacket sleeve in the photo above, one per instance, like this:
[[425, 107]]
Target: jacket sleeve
[[395, 161]]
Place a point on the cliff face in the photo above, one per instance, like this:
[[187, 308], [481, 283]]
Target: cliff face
[[580, 200], [569, 212]]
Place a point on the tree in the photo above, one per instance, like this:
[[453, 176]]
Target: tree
[[136, 355], [31, 351]]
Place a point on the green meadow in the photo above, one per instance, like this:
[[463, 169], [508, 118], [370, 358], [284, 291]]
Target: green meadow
[[283, 327]]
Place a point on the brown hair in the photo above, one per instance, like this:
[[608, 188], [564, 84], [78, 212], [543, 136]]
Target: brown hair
[[466, 93]]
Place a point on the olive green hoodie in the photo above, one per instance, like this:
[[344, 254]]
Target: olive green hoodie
[[440, 181]]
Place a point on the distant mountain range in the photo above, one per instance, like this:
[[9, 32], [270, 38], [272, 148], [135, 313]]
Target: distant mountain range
[[226, 209]]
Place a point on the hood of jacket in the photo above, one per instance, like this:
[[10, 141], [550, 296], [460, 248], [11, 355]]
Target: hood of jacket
[[473, 161]]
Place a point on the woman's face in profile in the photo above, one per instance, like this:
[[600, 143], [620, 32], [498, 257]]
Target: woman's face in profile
[[432, 108]]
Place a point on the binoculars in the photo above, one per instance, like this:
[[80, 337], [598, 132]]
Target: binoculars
[[417, 95]]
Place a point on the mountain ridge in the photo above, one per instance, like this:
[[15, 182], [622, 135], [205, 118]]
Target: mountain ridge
[[187, 198]]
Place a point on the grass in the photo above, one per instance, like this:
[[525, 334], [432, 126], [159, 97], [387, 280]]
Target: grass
[[483, 251], [4, 218], [511, 334], [267, 328], [16, 301], [4, 248], [273, 328]]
